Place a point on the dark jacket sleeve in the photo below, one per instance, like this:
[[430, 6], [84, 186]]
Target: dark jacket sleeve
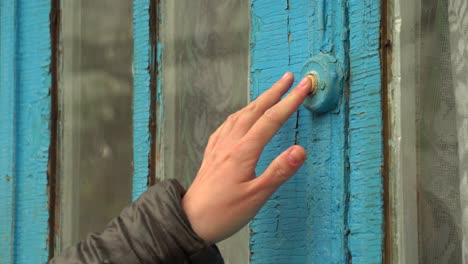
[[154, 229]]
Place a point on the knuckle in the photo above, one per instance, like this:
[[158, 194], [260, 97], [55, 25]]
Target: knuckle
[[252, 107], [242, 122], [228, 157], [236, 151], [280, 172], [231, 118], [245, 121], [272, 116], [234, 116]]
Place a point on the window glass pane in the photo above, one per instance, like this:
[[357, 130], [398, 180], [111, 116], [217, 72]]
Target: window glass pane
[[96, 101], [438, 50], [438, 178], [205, 78]]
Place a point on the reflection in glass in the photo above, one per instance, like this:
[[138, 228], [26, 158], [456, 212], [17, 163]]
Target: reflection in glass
[[205, 78], [96, 98]]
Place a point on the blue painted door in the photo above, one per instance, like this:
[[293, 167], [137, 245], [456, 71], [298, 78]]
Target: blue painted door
[[330, 212]]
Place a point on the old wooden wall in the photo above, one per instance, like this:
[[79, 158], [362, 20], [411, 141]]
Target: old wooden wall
[[332, 210]]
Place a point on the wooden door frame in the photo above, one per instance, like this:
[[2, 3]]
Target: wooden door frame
[[28, 195], [351, 226], [28, 129]]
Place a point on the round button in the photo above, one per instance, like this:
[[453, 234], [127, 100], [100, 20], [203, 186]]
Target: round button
[[329, 79]]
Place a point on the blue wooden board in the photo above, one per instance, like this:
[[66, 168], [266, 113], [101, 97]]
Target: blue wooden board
[[365, 220], [7, 106], [141, 96], [25, 109], [320, 214], [147, 56]]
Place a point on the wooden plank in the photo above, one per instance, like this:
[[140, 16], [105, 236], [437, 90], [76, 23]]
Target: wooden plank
[[272, 238], [141, 96], [365, 134], [7, 106], [32, 131], [324, 136], [305, 220]]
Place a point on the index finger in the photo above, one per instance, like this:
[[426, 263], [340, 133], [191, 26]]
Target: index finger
[[272, 120]]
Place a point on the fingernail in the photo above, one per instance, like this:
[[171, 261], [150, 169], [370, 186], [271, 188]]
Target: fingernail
[[285, 76], [296, 156], [304, 83]]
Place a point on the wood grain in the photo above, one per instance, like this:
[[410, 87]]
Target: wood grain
[[31, 130], [305, 220], [365, 214]]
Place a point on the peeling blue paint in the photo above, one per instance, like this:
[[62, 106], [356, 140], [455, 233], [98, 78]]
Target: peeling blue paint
[[25, 57], [144, 60], [365, 134], [141, 97], [276, 236], [315, 216], [304, 221]]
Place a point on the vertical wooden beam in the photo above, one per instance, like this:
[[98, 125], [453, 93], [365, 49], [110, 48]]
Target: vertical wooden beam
[[147, 96], [305, 221], [366, 223], [141, 96], [278, 231], [7, 126], [325, 136], [32, 83]]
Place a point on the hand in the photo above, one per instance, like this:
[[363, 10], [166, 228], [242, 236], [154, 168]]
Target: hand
[[226, 194]]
